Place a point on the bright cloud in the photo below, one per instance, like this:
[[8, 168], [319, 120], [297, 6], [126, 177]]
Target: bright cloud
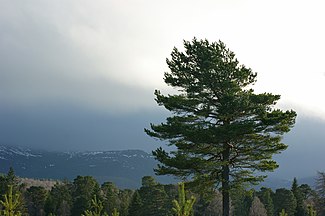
[[84, 51]]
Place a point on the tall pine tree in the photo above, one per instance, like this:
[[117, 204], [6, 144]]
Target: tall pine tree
[[223, 131]]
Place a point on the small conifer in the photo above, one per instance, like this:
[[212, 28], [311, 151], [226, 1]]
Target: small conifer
[[10, 204], [283, 213], [183, 207]]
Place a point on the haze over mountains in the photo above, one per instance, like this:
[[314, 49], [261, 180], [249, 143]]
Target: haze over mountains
[[75, 129], [124, 168]]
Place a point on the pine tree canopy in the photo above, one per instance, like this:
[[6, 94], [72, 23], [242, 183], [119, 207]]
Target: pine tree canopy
[[220, 127]]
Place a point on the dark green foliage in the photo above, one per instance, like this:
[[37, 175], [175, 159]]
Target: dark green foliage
[[12, 180], [97, 208], [35, 198], [84, 189], [310, 198], [136, 205], [59, 200], [154, 198], [265, 196], [223, 131], [284, 199], [114, 198], [148, 181], [306, 191], [297, 192], [172, 193], [125, 197], [242, 201], [3, 184], [206, 202], [65, 196], [10, 184], [110, 196]]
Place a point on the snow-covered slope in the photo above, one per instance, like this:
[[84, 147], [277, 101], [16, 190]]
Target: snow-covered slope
[[124, 168]]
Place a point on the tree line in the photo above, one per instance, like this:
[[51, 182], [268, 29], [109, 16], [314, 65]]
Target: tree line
[[77, 197]]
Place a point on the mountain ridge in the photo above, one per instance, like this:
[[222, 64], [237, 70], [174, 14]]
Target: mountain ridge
[[125, 167]]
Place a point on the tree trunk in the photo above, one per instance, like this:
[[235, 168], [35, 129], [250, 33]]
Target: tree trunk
[[225, 183]]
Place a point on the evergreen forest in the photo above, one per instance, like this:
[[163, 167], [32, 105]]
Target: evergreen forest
[[85, 196]]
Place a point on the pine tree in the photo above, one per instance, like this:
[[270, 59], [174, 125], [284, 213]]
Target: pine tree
[[300, 209], [12, 183], [110, 195], [115, 212], [36, 197], [84, 189], [136, 205], [97, 208], [242, 200], [283, 213], [3, 184], [154, 197], [265, 195], [12, 179], [59, 199], [284, 199], [11, 203], [222, 130], [306, 191], [183, 206], [172, 192], [311, 211], [125, 197]]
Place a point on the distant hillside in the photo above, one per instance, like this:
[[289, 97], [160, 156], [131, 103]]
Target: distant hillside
[[124, 168]]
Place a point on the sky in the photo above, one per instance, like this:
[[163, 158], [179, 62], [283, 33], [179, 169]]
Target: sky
[[80, 75]]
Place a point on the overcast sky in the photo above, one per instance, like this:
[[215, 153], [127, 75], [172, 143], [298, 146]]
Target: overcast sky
[[80, 75]]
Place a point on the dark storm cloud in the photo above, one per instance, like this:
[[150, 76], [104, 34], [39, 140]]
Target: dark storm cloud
[[53, 94], [305, 154], [67, 127]]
